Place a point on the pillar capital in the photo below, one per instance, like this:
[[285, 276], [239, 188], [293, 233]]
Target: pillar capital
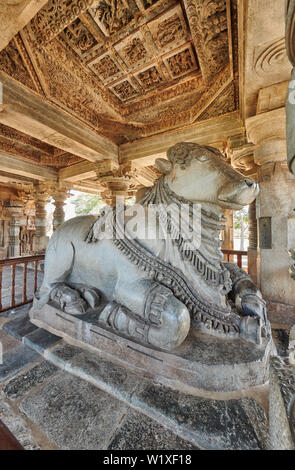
[[117, 180], [267, 131], [41, 193]]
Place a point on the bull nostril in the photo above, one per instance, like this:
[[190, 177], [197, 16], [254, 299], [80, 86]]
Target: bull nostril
[[249, 183]]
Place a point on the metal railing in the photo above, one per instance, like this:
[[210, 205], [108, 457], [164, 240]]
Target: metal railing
[[236, 256], [12, 299], [26, 264]]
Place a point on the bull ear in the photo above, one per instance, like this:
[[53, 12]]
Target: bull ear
[[164, 166]]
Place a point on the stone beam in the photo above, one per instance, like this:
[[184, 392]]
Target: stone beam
[[77, 172], [15, 15], [28, 113], [211, 132], [88, 187], [11, 164]]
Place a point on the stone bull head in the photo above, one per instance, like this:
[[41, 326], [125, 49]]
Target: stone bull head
[[200, 174]]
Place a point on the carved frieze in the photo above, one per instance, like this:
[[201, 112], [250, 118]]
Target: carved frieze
[[11, 62], [209, 29]]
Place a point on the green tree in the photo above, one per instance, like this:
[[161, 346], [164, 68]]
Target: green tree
[[87, 204], [241, 223]]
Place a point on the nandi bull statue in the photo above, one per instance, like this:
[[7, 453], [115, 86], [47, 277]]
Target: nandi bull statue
[[154, 289]]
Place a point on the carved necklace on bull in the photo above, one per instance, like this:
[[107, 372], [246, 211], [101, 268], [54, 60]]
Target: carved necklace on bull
[[205, 256]]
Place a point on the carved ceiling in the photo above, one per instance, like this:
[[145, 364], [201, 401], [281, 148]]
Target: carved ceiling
[[130, 68], [16, 143]]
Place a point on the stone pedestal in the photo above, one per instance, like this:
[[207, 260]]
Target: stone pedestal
[[201, 362], [275, 205], [282, 405]]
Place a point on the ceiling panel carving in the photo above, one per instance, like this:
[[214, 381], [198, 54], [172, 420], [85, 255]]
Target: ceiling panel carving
[[130, 68]]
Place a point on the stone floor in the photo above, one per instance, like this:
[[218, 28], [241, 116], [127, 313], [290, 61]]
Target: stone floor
[[46, 407], [56, 396]]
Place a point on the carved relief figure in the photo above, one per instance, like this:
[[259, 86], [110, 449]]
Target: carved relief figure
[[114, 14], [154, 290], [79, 37], [181, 62], [125, 90], [169, 31], [134, 51], [150, 77], [106, 67]]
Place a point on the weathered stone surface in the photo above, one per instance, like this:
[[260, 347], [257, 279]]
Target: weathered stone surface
[[73, 413], [202, 361], [208, 423], [20, 326], [40, 340], [281, 340], [7, 342], [17, 425], [21, 384], [138, 432], [61, 354], [282, 405], [15, 360], [104, 374]]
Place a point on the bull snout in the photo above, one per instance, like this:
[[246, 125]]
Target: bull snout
[[237, 194]]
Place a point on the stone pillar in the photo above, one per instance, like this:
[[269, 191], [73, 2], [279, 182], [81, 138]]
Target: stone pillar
[[41, 196], [242, 159], [275, 205], [59, 198], [228, 234], [15, 210], [252, 248]]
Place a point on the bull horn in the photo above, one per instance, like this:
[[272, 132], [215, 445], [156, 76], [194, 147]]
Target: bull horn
[[164, 166]]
